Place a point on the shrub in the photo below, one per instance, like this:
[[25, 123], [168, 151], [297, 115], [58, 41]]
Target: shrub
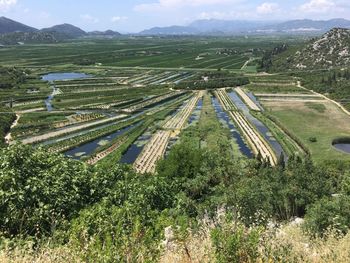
[[235, 243], [329, 212], [312, 139]]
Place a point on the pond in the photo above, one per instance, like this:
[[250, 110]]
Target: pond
[[344, 147], [51, 77], [64, 76], [342, 144]]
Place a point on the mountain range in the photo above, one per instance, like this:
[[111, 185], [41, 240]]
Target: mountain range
[[237, 27], [13, 32]]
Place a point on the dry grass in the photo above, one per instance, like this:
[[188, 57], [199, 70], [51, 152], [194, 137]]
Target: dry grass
[[302, 248], [196, 249], [46, 255], [285, 244]]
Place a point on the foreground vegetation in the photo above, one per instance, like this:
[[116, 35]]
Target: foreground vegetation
[[121, 216]]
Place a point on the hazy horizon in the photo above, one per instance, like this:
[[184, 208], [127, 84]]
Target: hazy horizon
[[137, 15]]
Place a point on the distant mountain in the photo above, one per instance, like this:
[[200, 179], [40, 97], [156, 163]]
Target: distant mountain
[[238, 27], [66, 29], [309, 25], [226, 26], [10, 26], [329, 51], [171, 30], [108, 33]]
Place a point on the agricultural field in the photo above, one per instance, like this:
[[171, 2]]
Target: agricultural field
[[98, 113], [311, 119], [199, 53]]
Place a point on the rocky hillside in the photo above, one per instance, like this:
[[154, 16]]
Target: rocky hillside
[[332, 50], [31, 38]]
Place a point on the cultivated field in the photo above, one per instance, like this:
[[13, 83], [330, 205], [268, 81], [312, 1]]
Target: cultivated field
[[131, 88], [321, 120]]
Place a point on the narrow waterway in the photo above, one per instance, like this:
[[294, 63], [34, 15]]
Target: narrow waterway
[[225, 118], [263, 130], [52, 77]]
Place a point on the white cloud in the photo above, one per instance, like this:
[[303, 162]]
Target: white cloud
[[116, 19], [89, 18], [318, 6], [7, 4], [173, 4], [267, 8]]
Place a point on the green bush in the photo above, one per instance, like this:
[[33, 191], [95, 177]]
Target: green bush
[[329, 213], [235, 243], [39, 190]]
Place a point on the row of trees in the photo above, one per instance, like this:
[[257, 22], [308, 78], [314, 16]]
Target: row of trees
[[213, 80]]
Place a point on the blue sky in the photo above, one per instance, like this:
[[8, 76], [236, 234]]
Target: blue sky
[[135, 15]]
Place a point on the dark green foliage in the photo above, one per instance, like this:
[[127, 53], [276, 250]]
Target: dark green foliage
[[329, 213], [11, 77], [266, 61], [128, 223], [214, 80], [38, 190]]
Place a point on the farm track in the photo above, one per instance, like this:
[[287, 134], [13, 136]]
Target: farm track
[[277, 84], [253, 137], [292, 100], [31, 110], [8, 137], [245, 65], [301, 95], [156, 147], [328, 99], [251, 104]]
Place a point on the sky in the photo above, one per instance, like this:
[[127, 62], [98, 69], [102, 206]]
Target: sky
[[136, 15]]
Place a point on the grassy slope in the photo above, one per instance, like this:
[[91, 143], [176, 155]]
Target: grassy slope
[[305, 122]]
